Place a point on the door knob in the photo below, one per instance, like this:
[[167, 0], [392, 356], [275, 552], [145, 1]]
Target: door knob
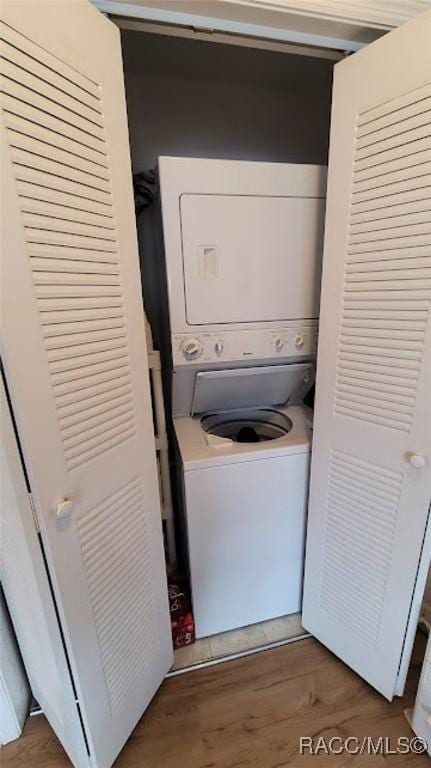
[[416, 460], [63, 509]]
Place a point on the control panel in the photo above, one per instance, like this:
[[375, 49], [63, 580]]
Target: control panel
[[233, 346]]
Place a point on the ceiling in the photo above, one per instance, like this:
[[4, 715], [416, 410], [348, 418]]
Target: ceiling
[[383, 14], [335, 24]]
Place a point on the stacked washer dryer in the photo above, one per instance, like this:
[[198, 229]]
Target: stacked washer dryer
[[243, 245]]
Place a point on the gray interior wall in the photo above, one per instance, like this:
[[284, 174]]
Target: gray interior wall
[[202, 99]]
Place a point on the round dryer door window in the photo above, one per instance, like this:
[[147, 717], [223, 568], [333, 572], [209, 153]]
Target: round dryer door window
[[257, 426]]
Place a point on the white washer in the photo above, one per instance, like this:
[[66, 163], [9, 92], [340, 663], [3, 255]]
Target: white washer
[[245, 501]]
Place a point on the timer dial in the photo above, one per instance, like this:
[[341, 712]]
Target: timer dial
[[191, 349]]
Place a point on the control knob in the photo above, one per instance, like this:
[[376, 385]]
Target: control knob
[[299, 340], [191, 349], [279, 343], [218, 347]]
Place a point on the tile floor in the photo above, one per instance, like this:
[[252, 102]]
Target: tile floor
[[239, 640]]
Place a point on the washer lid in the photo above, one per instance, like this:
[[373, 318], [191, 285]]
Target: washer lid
[[238, 388]]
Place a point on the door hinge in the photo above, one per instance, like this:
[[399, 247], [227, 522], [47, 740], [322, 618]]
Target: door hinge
[[34, 513]]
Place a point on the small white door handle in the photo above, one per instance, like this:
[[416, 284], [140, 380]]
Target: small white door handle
[[416, 460], [63, 509]]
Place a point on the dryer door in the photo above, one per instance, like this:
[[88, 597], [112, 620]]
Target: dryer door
[[251, 258], [371, 468]]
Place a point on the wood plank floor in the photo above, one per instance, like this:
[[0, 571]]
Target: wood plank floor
[[248, 713]]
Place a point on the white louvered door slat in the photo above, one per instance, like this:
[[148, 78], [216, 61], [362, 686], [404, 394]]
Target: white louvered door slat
[[75, 355], [369, 506]]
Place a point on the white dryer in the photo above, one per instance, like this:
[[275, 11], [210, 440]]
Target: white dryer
[[243, 245]]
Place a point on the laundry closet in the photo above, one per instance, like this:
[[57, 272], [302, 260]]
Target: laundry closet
[[238, 138], [238, 319]]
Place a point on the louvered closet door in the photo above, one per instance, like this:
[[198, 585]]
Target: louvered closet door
[[75, 354], [371, 476]]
